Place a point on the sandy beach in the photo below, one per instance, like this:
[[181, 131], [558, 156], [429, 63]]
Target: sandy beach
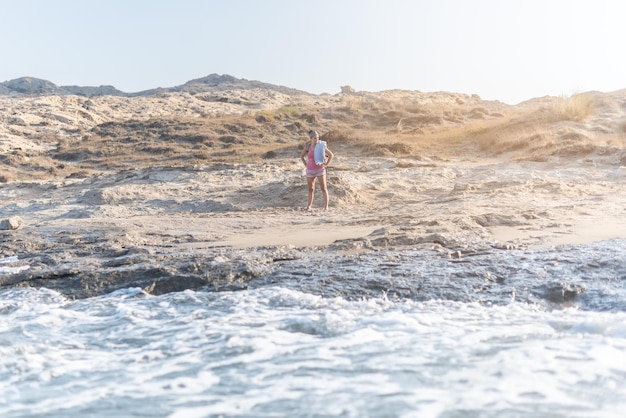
[[98, 193]]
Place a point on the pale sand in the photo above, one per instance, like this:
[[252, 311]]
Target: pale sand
[[390, 204], [544, 209]]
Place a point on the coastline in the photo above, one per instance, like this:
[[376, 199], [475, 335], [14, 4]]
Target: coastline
[[185, 190], [93, 236]]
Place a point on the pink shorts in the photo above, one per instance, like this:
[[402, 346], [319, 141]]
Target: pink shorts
[[315, 172]]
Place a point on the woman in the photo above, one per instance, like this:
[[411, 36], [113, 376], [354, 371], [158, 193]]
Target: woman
[[316, 169]]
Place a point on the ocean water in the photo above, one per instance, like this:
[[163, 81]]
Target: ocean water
[[411, 333]]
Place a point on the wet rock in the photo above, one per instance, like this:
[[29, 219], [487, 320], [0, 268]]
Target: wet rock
[[14, 222], [561, 292], [86, 270]]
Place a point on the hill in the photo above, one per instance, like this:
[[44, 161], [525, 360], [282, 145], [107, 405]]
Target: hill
[[59, 131], [31, 86]]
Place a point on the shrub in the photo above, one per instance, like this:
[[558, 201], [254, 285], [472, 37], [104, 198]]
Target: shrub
[[289, 110], [575, 108], [265, 116]]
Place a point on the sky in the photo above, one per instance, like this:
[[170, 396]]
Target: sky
[[507, 50]]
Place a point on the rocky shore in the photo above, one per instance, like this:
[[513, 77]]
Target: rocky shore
[[203, 188]]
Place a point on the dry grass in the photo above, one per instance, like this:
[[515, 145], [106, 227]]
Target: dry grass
[[367, 125], [177, 141], [576, 108], [526, 134]]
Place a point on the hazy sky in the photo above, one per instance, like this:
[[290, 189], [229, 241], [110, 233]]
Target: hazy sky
[[502, 50]]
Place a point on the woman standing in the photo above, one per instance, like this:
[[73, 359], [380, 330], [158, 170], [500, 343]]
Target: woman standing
[[318, 157]]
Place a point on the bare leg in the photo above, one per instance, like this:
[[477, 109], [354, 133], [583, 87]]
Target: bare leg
[[310, 181], [324, 190]]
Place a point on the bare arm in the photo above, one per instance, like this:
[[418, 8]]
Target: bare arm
[[330, 156], [303, 154]]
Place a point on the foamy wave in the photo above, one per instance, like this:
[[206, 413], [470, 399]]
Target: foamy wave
[[11, 269]]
